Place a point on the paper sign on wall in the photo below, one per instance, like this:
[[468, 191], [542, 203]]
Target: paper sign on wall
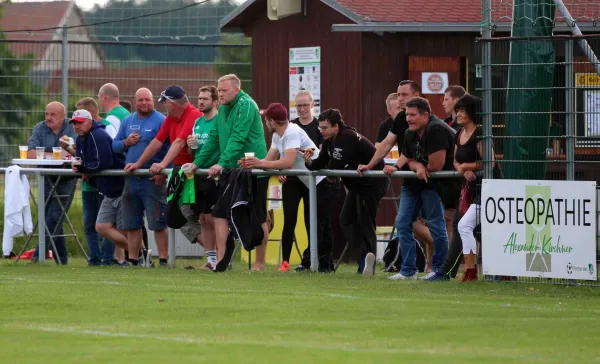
[[305, 73], [434, 82]]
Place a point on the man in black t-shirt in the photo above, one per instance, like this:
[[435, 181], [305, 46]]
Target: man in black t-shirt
[[451, 96], [393, 109], [428, 147], [406, 91], [345, 149]]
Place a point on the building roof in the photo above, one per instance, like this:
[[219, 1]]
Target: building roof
[[417, 15], [38, 15]]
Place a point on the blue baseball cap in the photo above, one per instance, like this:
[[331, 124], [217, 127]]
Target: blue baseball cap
[[173, 92]]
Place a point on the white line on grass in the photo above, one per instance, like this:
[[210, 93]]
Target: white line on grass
[[305, 294], [281, 345]]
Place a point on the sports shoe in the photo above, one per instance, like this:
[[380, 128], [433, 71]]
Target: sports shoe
[[469, 275], [369, 269], [207, 266], [429, 275], [161, 264], [301, 268], [123, 264], [284, 267], [436, 277], [402, 277]]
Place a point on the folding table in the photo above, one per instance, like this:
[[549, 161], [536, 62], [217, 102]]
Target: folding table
[[41, 211]]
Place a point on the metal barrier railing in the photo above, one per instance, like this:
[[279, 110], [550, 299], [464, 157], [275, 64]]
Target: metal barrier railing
[[41, 172]]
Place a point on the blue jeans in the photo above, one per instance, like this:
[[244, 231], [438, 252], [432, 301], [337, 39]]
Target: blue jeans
[[140, 195], [91, 201], [54, 216], [413, 201]]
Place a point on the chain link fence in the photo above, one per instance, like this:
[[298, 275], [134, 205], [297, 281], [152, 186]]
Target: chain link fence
[[38, 72]]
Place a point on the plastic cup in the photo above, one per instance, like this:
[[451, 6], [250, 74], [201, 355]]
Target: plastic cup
[[22, 151], [195, 142], [249, 154], [135, 129], [187, 170], [395, 153], [56, 153], [76, 163], [39, 152]]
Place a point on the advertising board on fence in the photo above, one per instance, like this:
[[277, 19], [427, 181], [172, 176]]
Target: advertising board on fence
[[539, 228]]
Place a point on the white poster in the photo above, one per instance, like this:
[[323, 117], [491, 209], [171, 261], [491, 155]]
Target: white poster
[[305, 73], [541, 229], [592, 113], [434, 82]]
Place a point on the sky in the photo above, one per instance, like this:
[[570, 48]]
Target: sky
[[88, 4]]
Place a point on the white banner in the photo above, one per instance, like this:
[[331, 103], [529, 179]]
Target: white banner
[[434, 82], [305, 73], [539, 228]]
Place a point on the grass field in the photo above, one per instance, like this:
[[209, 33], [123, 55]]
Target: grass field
[[78, 314]]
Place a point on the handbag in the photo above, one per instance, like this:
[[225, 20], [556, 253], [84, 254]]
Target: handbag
[[465, 199]]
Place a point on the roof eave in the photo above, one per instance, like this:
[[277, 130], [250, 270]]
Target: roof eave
[[223, 25], [461, 27]]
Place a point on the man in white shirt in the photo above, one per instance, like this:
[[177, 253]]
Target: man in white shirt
[[288, 146]]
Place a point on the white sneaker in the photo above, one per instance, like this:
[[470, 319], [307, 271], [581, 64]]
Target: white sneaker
[[402, 277], [429, 275], [369, 269]]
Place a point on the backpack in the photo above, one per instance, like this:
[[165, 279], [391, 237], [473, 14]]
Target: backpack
[[392, 256]]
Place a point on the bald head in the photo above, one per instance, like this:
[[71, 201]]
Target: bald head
[[109, 90], [55, 115], [108, 97], [144, 102]]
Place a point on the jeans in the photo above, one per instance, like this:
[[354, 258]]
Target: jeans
[[358, 215], [55, 216], [428, 202], [91, 201]]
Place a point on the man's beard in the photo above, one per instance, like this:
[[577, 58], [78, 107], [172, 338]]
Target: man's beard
[[145, 113], [206, 110]]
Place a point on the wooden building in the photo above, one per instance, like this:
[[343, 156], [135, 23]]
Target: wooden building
[[367, 48]]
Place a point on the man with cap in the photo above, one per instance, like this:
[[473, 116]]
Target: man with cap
[[94, 146], [175, 129], [238, 130], [288, 145]]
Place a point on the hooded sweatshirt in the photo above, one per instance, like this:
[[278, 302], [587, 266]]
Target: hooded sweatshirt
[[95, 151]]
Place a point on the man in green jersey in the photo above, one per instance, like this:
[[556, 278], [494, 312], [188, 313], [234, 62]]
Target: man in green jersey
[[108, 99], [238, 129], [206, 188]]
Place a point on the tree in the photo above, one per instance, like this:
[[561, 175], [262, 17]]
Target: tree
[[237, 60], [19, 100]]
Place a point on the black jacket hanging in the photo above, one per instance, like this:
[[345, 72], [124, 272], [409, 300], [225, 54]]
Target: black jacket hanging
[[238, 187]]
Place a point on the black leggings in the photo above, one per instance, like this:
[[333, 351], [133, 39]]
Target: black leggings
[[293, 191]]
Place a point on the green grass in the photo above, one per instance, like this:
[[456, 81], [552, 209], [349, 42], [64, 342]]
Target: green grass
[[77, 314]]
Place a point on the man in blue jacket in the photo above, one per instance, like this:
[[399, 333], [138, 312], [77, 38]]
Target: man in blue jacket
[[94, 147]]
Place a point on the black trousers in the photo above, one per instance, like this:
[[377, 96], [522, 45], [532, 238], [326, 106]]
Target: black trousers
[[293, 191], [326, 192], [358, 215]]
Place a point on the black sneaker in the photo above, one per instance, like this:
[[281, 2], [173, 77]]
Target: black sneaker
[[301, 268], [161, 264]]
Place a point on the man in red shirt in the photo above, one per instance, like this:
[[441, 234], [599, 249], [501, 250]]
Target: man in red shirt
[[175, 129]]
